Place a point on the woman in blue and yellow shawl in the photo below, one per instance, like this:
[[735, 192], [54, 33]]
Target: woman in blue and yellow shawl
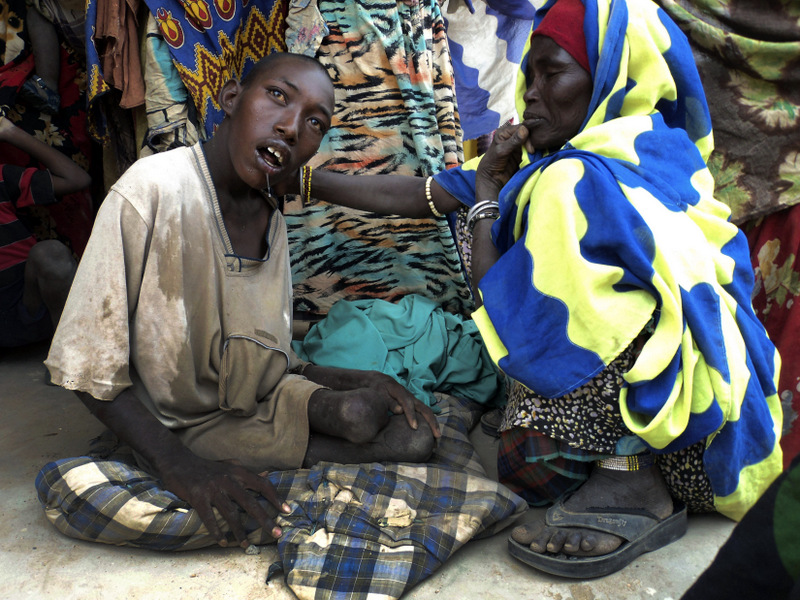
[[613, 291]]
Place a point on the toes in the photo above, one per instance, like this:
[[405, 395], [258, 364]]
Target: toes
[[535, 535], [578, 542], [584, 542], [596, 544], [588, 542], [541, 542], [556, 542], [573, 543], [525, 534]]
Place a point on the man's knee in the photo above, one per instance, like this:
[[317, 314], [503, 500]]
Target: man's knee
[[361, 418], [51, 260], [421, 443]]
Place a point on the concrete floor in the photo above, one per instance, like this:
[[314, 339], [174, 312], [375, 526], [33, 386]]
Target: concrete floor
[[41, 423]]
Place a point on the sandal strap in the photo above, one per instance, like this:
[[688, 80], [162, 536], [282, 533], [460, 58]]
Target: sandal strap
[[626, 523]]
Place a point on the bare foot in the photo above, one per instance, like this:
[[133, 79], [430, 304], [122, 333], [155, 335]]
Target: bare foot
[[605, 488]]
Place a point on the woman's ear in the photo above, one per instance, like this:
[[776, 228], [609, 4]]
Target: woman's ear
[[228, 96]]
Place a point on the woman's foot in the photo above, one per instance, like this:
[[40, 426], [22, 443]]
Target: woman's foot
[[644, 489]]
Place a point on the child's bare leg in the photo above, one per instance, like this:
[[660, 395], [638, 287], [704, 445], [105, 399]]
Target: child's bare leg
[[44, 40], [49, 271], [352, 427]]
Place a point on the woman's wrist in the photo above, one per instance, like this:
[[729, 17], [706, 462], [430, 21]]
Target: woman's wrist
[[484, 209]]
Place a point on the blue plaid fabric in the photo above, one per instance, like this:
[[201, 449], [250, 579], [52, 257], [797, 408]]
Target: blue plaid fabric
[[355, 531]]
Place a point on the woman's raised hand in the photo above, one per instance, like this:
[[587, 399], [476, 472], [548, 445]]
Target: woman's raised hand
[[500, 162]]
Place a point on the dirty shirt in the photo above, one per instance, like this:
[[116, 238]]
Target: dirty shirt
[[162, 304]]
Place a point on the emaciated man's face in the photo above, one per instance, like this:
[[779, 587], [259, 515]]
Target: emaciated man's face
[[279, 120]]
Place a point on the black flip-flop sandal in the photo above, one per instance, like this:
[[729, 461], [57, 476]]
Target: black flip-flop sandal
[[642, 530]]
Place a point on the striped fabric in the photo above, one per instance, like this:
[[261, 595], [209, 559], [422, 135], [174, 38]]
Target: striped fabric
[[355, 531], [395, 113], [621, 225], [539, 468], [19, 188]]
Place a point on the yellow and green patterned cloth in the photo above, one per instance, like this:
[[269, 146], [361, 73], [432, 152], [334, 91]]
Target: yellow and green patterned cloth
[[620, 226]]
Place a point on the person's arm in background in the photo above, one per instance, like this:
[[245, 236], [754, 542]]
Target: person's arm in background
[[402, 195], [406, 196], [67, 176]]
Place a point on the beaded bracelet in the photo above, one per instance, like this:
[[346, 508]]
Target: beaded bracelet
[[430, 198], [305, 184], [635, 462]]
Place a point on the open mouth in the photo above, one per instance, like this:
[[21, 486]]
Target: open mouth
[[272, 156]]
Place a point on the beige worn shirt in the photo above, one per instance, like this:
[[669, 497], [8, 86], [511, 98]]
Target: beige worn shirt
[[162, 304]]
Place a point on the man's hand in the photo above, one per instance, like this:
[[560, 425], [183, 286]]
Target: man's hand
[[379, 386], [204, 484], [207, 485], [401, 401]]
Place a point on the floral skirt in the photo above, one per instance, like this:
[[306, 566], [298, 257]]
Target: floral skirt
[[774, 246], [548, 445]]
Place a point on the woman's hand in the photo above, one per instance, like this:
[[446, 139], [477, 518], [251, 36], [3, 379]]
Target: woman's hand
[[500, 162], [289, 185]]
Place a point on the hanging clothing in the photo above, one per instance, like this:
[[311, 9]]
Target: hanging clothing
[[395, 113]]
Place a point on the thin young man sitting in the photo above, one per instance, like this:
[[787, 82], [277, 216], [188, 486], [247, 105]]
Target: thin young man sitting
[[177, 331]]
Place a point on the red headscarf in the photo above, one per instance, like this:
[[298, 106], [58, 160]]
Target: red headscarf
[[563, 24]]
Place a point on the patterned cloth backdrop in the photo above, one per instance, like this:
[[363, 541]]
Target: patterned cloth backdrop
[[395, 113], [70, 220], [210, 42], [486, 39], [747, 54]]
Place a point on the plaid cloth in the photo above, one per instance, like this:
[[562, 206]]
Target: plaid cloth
[[355, 531], [539, 468]]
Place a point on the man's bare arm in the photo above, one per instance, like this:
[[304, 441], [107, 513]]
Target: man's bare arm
[[204, 484]]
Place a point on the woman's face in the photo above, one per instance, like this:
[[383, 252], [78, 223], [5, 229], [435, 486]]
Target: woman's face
[[558, 95]]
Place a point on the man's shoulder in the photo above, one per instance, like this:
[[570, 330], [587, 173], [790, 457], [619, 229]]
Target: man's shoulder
[[162, 174], [163, 165]]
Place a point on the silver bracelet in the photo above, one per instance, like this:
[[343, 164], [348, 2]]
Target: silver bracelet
[[485, 209]]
